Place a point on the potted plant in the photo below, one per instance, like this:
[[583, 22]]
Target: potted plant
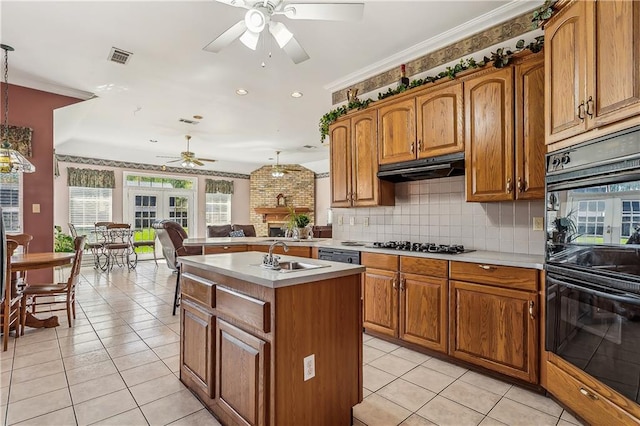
[[62, 242], [297, 224]]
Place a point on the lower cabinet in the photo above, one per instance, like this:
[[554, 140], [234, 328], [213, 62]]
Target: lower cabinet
[[299, 251], [225, 249], [242, 374], [197, 346]]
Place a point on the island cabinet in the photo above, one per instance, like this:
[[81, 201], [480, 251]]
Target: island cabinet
[[354, 163], [426, 124], [409, 303], [593, 72], [504, 132], [244, 345], [231, 248], [493, 319]]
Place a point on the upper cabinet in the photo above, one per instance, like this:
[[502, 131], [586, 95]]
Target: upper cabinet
[[354, 165], [593, 67], [427, 124]]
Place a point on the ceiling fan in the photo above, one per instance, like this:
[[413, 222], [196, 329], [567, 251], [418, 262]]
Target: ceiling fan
[[278, 170], [187, 157], [259, 14]]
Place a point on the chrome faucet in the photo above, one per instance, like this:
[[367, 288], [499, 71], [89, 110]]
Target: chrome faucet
[[271, 261]]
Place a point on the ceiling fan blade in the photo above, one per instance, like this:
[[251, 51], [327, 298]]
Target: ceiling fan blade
[[166, 156], [174, 161], [235, 3], [295, 51], [197, 162], [324, 11], [226, 38], [280, 32], [207, 159], [250, 39]]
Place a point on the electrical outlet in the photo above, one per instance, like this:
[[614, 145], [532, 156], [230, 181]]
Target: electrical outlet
[[352, 220], [309, 364], [340, 220], [538, 223], [365, 222]]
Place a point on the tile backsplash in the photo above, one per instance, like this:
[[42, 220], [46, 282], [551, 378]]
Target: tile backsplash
[[436, 211]]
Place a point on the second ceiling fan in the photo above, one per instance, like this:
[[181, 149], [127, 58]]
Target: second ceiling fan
[[188, 158], [258, 17]]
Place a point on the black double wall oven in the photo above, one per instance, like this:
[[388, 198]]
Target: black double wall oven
[[593, 259]]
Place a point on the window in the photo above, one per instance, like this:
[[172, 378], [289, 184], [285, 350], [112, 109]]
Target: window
[[218, 210], [88, 206], [630, 218], [590, 220], [10, 201]]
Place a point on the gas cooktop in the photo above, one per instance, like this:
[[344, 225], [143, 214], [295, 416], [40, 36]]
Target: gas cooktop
[[422, 247]]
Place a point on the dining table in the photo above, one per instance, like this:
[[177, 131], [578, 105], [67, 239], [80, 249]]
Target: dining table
[[29, 261]]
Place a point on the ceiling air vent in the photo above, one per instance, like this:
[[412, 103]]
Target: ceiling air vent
[[119, 56], [186, 120]]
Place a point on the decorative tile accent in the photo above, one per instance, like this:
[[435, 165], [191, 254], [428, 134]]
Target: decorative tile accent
[[322, 175], [465, 47]]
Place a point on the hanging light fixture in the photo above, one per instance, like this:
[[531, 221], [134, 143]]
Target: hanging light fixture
[[11, 161]]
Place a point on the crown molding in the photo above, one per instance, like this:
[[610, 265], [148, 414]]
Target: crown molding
[[496, 16]]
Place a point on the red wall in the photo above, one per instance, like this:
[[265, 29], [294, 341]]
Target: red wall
[[34, 109]]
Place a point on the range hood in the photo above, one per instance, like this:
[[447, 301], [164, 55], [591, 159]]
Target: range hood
[[425, 168]]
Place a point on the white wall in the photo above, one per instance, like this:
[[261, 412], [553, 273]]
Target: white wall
[[239, 201], [435, 211], [323, 200]]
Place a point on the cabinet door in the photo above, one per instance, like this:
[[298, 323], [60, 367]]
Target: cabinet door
[[440, 121], [489, 136], [225, 249], [495, 328], [197, 346], [615, 79], [242, 367], [565, 73], [530, 147], [364, 158], [340, 164], [381, 301], [423, 311], [397, 131]]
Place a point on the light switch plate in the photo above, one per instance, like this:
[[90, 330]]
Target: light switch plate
[[309, 365], [340, 220], [538, 223], [35, 208], [352, 220], [365, 222]]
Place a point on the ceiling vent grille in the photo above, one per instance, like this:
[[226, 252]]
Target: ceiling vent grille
[[119, 56], [187, 121]]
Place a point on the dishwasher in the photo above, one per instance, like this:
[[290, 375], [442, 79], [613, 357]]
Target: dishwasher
[[339, 255]]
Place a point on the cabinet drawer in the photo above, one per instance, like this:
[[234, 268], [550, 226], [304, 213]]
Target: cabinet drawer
[[249, 310], [380, 261], [300, 251], [588, 403], [501, 276], [430, 267], [225, 249], [198, 289]]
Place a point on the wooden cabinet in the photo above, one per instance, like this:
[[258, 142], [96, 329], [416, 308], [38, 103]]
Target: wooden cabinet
[[410, 304], [354, 164], [299, 251], [235, 248], [594, 402], [504, 131], [242, 374], [197, 345], [593, 67], [491, 324], [427, 124]]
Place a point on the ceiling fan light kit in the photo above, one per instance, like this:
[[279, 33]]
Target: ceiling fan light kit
[[258, 17], [188, 158]]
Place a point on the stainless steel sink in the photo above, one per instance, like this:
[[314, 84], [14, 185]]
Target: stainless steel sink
[[292, 266]]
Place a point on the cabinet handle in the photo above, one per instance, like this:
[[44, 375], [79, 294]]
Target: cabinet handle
[[412, 147], [580, 111], [225, 248], [395, 283], [509, 186], [402, 283], [588, 394], [520, 185], [419, 145], [590, 106], [531, 304], [486, 267]]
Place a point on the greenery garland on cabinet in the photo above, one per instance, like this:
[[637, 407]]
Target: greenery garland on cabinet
[[500, 59]]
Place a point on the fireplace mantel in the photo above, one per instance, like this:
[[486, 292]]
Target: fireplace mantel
[[278, 214]]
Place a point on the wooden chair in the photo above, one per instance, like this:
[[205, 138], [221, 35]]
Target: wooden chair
[[53, 291], [11, 301], [23, 241]]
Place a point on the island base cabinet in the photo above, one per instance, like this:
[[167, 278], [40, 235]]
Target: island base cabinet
[[242, 374], [495, 328], [197, 347]]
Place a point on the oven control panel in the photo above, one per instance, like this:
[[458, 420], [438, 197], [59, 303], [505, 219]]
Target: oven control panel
[[558, 161]]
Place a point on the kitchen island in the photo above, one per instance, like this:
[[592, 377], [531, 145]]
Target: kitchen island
[[265, 347]]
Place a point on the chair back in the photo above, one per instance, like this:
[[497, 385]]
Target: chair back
[[72, 230], [118, 234], [78, 246], [6, 295], [249, 230], [23, 240], [171, 236], [218, 230]]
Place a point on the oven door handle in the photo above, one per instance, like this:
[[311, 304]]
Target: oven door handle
[[631, 299]]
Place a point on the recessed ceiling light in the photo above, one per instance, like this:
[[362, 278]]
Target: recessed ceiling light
[[296, 95], [241, 92]]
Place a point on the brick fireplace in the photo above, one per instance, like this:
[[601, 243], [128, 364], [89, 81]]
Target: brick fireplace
[[297, 187]]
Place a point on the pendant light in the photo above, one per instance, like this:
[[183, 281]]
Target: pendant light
[[11, 161]]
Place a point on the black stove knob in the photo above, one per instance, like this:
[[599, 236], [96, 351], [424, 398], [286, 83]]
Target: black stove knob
[[565, 159]]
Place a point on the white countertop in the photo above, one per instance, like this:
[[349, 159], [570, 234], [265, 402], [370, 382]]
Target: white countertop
[[246, 266], [480, 256]]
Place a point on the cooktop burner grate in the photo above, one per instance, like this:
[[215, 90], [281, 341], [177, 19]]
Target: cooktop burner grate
[[422, 247]]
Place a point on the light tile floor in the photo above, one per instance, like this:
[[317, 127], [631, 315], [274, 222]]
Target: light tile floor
[[119, 365]]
